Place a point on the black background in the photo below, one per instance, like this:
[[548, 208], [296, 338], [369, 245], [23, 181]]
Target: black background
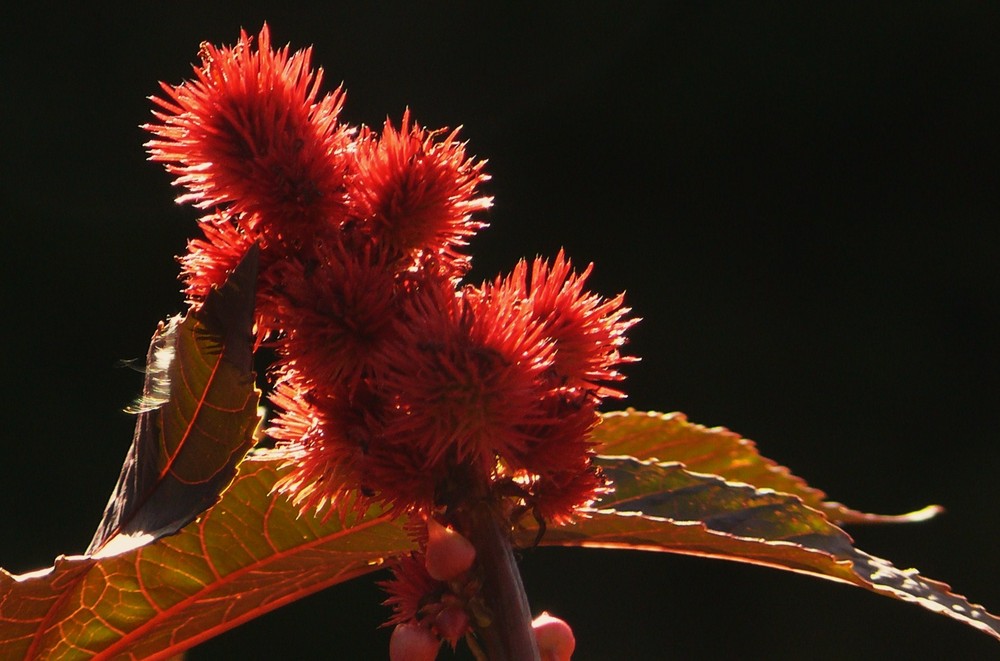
[[802, 204]]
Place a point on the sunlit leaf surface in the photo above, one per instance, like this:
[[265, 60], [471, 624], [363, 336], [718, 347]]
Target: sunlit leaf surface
[[661, 506], [195, 419], [252, 552], [248, 555], [718, 451]]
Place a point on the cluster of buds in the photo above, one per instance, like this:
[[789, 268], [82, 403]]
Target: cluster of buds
[[395, 382], [433, 592], [435, 595]]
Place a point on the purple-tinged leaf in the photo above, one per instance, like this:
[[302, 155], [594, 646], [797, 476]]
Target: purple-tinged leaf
[[660, 506], [718, 451], [253, 552], [195, 419], [249, 554]]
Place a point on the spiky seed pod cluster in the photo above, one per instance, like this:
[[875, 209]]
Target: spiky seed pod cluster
[[395, 383], [392, 377]]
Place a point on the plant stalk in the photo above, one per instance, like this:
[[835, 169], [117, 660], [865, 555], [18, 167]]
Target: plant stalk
[[508, 636]]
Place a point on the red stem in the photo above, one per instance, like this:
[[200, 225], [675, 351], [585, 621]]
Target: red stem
[[508, 636]]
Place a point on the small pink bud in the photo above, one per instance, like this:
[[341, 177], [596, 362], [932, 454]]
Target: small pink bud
[[449, 555], [412, 642], [452, 623], [555, 638]]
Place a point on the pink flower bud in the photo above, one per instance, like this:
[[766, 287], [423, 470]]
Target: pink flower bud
[[452, 623], [412, 642], [555, 638], [448, 554]]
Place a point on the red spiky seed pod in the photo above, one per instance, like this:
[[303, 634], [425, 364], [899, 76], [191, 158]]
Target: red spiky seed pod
[[465, 376], [250, 133], [588, 330], [418, 190]]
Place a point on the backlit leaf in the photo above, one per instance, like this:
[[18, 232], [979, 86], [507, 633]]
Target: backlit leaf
[[659, 506], [253, 552], [718, 451], [195, 419], [248, 555]]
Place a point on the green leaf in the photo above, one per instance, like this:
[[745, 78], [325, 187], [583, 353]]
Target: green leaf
[[248, 555], [718, 451], [661, 506], [195, 421]]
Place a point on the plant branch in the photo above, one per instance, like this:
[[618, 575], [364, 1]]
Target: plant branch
[[508, 636]]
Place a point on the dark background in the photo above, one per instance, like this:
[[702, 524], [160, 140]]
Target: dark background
[[802, 204]]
